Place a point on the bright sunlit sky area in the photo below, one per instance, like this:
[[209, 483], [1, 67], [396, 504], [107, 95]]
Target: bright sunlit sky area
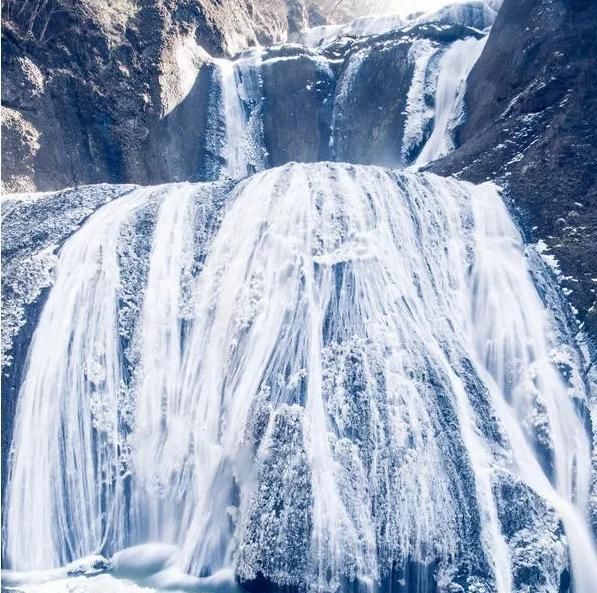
[[410, 6]]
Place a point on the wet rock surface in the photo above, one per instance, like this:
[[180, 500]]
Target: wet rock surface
[[136, 100], [532, 104], [84, 98]]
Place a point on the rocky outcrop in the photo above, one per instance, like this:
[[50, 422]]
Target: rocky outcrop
[[532, 103], [85, 85], [20, 144], [360, 99]]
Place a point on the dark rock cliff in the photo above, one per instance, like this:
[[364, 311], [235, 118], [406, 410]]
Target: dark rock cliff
[[86, 84], [347, 103], [121, 92], [531, 110]]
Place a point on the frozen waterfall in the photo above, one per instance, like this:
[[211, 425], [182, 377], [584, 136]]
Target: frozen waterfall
[[270, 106], [454, 68], [323, 374], [323, 377]]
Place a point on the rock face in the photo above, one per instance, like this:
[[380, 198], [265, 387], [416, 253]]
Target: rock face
[[20, 144], [138, 98], [531, 103], [391, 83], [85, 87]]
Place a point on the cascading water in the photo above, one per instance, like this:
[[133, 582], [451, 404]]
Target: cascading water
[[547, 435], [241, 98], [455, 66], [322, 377], [78, 344], [328, 386], [236, 165], [290, 102]]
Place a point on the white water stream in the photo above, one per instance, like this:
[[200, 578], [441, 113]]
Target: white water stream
[[332, 375], [335, 307], [455, 66]]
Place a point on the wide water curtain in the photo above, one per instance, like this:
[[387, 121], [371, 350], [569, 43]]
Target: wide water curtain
[[324, 374]]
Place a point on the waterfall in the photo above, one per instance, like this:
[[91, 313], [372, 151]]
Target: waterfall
[[344, 110], [454, 68], [322, 380], [67, 426], [241, 98], [529, 394], [235, 121], [325, 377]]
